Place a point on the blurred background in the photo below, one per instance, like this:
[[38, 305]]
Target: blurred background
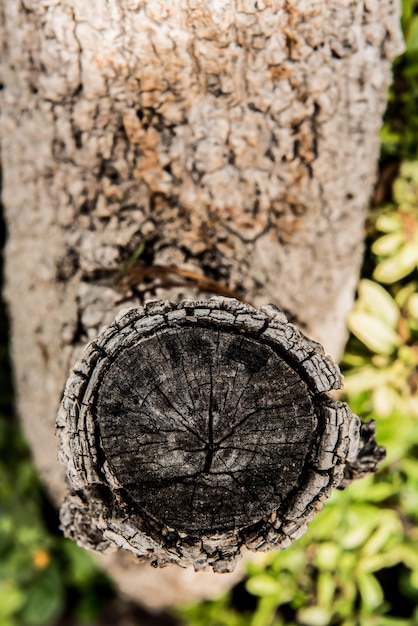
[[358, 563]]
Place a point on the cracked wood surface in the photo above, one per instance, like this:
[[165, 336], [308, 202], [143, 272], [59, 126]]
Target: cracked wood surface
[[192, 431], [204, 430], [236, 139]]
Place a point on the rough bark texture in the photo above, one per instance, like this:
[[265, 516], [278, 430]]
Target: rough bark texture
[[235, 139], [191, 431]]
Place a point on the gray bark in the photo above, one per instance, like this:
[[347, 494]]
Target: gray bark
[[190, 431], [235, 140]]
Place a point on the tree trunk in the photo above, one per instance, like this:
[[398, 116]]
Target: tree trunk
[[235, 143]]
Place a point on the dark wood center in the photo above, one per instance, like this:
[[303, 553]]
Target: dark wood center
[[206, 430]]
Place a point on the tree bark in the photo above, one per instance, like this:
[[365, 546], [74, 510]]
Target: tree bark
[[234, 141], [192, 431]]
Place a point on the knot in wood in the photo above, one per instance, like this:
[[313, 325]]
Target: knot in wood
[[192, 430]]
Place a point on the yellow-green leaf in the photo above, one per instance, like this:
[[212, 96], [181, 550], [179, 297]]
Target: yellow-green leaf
[[390, 527], [385, 400], [364, 379], [412, 35], [314, 616], [376, 562], [326, 589], [404, 193], [373, 332], [388, 244], [263, 585], [376, 300], [370, 591], [11, 599], [409, 169], [405, 293], [388, 223], [327, 554], [355, 537], [403, 263], [414, 579], [413, 306]]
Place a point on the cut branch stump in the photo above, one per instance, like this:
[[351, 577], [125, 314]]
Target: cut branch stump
[[193, 430]]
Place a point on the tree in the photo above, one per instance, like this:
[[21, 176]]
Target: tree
[[235, 143]]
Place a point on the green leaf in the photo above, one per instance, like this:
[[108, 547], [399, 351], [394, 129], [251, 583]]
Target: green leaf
[[81, 567], [414, 578], [371, 592], [407, 12], [388, 244], [386, 560], [412, 306], [11, 600], [409, 169], [397, 267], [405, 293], [374, 299], [45, 599], [410, 467], [263, 585], [314, 616], [378, 492], [390, 526], [326, 589], [412, 35], [355, 537], [373, 332], [388, 222], [364, 379], [404, 189], [326, 557], [293, 559], [385, 400], [389, 138]]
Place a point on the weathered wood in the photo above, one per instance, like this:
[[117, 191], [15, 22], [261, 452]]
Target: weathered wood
[[190, 431], [368, 457]]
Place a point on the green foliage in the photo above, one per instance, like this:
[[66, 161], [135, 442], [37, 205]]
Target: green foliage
[[399, 134], [38, 568], [384, 362]]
